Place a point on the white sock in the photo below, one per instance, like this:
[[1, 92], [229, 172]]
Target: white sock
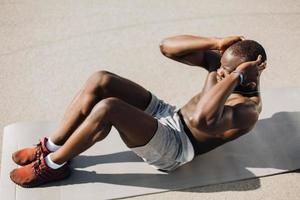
[[51, 146], [52, 164]]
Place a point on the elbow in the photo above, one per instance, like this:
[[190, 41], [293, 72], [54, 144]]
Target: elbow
[[167, 47], [204, 120], [211, 122]]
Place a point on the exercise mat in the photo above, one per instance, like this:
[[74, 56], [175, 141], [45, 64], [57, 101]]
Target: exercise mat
[[110, 170]]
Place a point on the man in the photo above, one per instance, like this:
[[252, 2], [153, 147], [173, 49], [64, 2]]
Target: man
[[165, 136]]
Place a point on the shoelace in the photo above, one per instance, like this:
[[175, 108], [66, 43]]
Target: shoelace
[[36, 167], [39, 150], [42, 173]]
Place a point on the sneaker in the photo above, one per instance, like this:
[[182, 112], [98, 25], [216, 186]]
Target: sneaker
[[28, 155], [38, 173]]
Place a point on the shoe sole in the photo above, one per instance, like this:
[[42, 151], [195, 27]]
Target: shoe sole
[[42, 183]]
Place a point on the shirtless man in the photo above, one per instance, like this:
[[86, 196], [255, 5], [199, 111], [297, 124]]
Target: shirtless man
[[164, 136]]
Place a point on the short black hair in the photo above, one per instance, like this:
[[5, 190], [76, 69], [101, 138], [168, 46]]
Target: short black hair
[[248, 49]]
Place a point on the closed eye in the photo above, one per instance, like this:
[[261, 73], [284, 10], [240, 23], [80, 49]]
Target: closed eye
[[228, 69], [225, 69]]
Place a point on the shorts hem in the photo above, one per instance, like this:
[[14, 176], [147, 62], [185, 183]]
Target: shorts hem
[[152, 105]]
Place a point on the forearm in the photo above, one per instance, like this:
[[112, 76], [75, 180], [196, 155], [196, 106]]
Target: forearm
[[183, 44], [211, 80], [211, 105]]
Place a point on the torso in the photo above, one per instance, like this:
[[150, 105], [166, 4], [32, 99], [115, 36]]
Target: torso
[[205, 140]]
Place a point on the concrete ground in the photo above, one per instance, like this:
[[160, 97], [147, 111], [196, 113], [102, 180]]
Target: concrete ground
[[49, 48]]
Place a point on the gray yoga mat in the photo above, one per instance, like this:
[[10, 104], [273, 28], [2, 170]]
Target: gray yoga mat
[[110, 170]]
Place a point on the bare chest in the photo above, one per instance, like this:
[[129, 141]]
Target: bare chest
[[189, 108], [233, 99]]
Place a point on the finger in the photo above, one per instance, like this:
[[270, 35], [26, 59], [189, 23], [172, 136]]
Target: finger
[[259, 57], [235, 39], [258, 61], [225, 74], [262, 66], [253, 85], [239, 38]]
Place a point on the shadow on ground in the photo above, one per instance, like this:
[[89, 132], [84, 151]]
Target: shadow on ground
[[273, 132]]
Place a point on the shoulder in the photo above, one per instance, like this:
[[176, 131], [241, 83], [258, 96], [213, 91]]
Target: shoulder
[[242, 119], [246, 114]]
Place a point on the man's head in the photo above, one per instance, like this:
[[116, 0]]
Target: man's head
[[239, 52]]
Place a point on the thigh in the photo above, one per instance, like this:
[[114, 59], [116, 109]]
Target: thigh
[[135, 127], [113, 85]]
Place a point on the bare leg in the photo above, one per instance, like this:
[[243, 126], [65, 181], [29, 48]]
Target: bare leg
[[100, 85], [136, 128]]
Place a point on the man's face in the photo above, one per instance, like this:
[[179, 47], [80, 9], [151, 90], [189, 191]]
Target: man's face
[[229, 63]]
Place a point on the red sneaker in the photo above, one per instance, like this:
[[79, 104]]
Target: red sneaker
[[28, 155], [38, 173]]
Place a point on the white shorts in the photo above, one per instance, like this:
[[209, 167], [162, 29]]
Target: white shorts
[[170, 147]]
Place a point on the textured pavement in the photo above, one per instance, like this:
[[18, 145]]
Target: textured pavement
[[49, 48]]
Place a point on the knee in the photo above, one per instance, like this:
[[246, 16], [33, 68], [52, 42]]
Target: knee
[[99, 81], [104, 109], [108, 103], [100, 117]]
